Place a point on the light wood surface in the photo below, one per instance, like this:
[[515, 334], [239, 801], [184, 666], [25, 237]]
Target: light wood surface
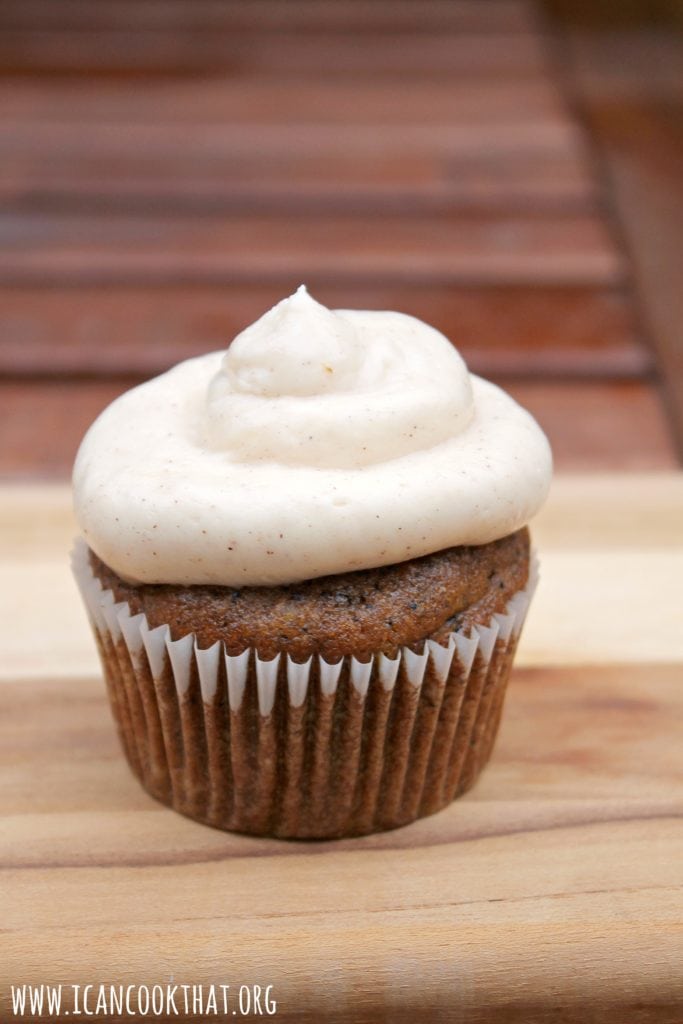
[[551, 892]]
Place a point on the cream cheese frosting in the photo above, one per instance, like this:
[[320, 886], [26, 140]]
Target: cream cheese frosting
[[322, 441]]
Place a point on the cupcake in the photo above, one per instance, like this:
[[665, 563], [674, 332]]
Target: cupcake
[[307, 565]]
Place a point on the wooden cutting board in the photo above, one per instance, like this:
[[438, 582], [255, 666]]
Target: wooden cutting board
[[552, 892]]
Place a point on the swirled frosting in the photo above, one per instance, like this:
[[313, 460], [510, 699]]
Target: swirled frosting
[[322, 441]]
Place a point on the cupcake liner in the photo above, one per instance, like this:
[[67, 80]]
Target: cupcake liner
[[312, 750]]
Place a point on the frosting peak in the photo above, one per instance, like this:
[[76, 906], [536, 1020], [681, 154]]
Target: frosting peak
[[310, 386], [299, 347], [322, 441]]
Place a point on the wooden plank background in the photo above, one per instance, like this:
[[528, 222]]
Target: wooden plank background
[[169, 170]]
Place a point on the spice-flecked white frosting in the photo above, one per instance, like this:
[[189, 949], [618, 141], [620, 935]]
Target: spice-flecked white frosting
[[322, 441]]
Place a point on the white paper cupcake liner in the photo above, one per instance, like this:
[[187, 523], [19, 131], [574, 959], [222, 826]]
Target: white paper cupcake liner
[[302, 750]]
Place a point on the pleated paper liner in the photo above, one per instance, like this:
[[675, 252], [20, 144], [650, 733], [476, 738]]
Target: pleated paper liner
[[313, 750]]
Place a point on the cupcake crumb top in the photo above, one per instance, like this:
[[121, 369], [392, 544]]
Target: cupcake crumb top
[[357, 613]]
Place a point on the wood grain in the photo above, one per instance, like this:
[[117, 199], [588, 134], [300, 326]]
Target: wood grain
[[631, 89], [648, 190], [327, 110], [500, 331], [129, 167], [477, 911], [392, 160], [177, 119], [593, 425], [256, 101], [271, 15], [119, 49], [552, 891], [564, 779], [508, 249]]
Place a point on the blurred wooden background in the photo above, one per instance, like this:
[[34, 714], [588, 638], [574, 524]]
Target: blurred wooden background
[[508, 171]]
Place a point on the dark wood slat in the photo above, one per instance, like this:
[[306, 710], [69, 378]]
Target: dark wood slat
[[222, 143], [256, 102], [42, 423], [644, 149], [271, 15], [616, 425], [514, 142], [45, 116], [609, 14], [627, 65], [144, 224], [591, 426], [121, 49], [123, 169], [533, 331], [574, 249], [636, 116]]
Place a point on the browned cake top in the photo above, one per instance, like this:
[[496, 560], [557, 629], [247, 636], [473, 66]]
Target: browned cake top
[[357, 613]]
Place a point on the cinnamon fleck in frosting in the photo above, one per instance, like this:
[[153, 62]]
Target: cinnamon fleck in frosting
[[323, 441]]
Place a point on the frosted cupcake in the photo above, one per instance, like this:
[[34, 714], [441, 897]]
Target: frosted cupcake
[[306, 564]]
